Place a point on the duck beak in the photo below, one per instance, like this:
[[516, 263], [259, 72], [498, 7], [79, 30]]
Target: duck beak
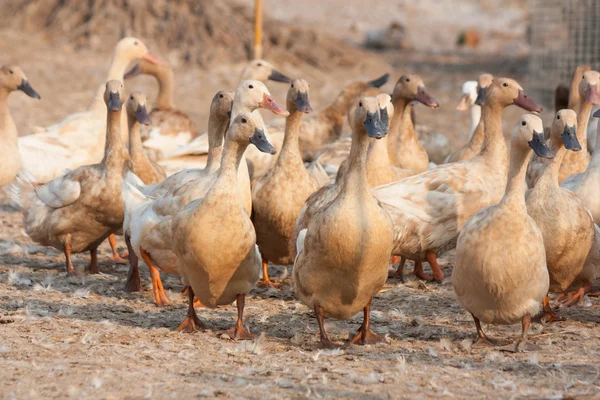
[[424, 98], [279, 77], [269, 104], [379, 82], [480, 96], [385, 119], [538, 144], [151, 57], [26, 88], [526, 103], [142, 115], [302, 103], [373, 126], [135, 71], [464, 102], [114, 101], [596, 114], [569, 138], [591, 94], [260, 141]]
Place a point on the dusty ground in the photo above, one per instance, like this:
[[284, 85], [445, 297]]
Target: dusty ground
[[85, 338]]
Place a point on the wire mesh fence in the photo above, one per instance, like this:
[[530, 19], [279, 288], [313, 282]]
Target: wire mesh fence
[[564, 34]]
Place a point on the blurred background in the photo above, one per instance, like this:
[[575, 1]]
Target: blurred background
[[65, 47]]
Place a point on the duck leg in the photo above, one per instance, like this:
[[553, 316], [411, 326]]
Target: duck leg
[[548, 315], [521, 344], [438, 274], [192, 323], [70, 268], [197, 303], [481, 336], [93, 267], [325, 341], [265, 281], [365, 335], [238, 332], [399, 272], [112, 240], [134, 281], [570, 298], [160, 296]]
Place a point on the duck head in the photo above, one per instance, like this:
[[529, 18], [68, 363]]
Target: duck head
[[564, 127], [506, 91], [13, 78], [132, 49], [244, 129], [412, 88], [297, 96], [386, 108], [220, 106], [588, 87], [262, 70], [147, 67], [483, 82], [469, 95], [113, 95], [254, 94], [529, 131], [136, 108], [367, 116]]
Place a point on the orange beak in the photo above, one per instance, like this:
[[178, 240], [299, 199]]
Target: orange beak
[[464, 102], [269, 104], [151, 57]]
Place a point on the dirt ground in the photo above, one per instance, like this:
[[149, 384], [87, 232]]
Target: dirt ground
[[83, 337]]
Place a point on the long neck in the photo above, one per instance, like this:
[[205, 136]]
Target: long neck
[[165, 89], [395, 127], [516, 185], [494, 144], [114, 151], [6, 133], [226, 182], [355, 181], [583, 118], [407, 128], [135, 140], [290, 150], [558, 147], [475, 117], [217, 127], [117, 69], [378, 154]]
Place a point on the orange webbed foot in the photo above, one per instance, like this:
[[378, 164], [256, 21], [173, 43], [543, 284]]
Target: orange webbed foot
[[365, 337], [268, 283], [239, 333], [191, 324]]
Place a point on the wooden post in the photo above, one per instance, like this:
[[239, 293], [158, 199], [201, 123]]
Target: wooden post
[[257, 29]]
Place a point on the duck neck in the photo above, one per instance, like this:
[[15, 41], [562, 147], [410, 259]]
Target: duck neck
[[136, 149], [378, 154], [494, 145], [406, 134], [6, 133], [226, 182], [217, 128], [290, 150], [355, 181], [114, 150], [516, 185], [116, 71], [165, 89], [395, 127], [475, 118], [583, 118], [558, 147]]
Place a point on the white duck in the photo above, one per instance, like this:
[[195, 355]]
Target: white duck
[[467, 102], [79, 138]]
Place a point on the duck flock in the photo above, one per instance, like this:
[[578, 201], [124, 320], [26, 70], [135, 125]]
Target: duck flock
[[217, 208]]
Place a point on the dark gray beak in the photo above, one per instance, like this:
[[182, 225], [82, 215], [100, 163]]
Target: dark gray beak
[[384, 119], [135, 71], [597, 114], [260, 141], [302, 103], [142, 115], [373, 126], [569, 138], [379, 82], [26, 88], [480, 96], [279, 77], [114, 101], [538, 144]]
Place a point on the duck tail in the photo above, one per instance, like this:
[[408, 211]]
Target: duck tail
[[131, 190], [22, 195], [300, 243]]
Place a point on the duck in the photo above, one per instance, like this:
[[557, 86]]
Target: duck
[[79, 138], [79, 210], [170, 127], [12, 78], [262, 70], [494, 285], [429, 209], [476, 138], [576, 162], [149, 210], [221, 262], [404, 147], [380, 169], [467, 102], [279, 194], [585, 185], [343, 252], [567, 227], [218, 123]]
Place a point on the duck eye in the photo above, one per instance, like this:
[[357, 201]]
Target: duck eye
[[407, 79], [259, 64], [292, 85], [523, 123], [135, 43], [244, 120], [251, 86], [360, 103], [558, 117], [221, 96], [131, 97], [11, 71], [505, 84]]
